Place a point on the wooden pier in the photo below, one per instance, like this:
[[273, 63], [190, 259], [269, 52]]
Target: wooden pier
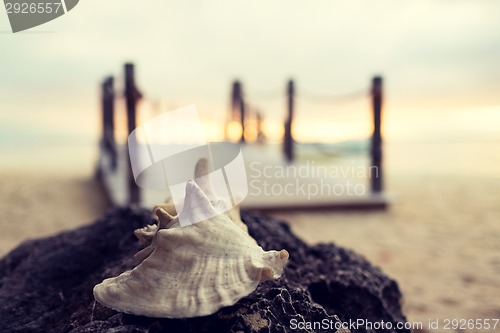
[[273, 178]]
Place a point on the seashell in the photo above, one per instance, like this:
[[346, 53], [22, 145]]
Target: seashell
[[194, 270]]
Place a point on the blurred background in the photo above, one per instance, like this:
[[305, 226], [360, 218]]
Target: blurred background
[[441, 118]]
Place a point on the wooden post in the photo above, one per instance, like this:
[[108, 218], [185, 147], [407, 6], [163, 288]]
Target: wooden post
[[261, 138], [108, 121], [242, 112], [288, 138], [238, 106], [241, 105], [132, 96], [376, 172]]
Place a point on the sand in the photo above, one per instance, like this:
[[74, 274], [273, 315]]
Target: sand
[[37, 205], [439, 239]]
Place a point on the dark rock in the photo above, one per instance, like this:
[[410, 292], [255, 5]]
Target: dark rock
[[46, 284]]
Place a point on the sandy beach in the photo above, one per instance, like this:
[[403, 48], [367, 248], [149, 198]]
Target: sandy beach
[[439, 239], [38, 205], [406, 90]]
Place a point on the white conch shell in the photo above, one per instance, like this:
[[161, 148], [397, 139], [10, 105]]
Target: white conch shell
[[194, 270]]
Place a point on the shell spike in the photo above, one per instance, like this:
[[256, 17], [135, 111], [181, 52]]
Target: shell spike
[[165, 220], [202, 178], [197, 207]]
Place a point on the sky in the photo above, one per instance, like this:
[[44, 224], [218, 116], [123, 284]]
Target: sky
[[439, 60]]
